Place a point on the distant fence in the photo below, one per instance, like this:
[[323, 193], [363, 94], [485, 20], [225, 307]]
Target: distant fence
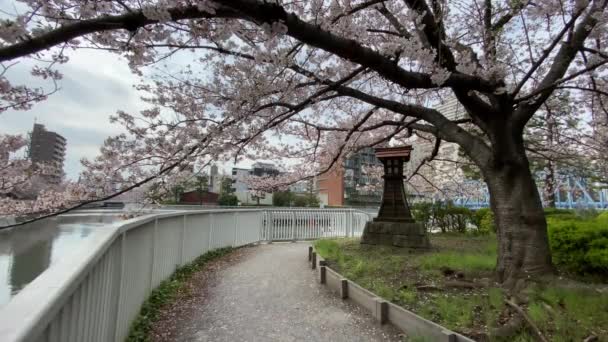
[[95, 293], [303, 224]]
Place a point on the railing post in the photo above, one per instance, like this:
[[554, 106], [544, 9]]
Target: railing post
[[293, 226], [343, 288], [236, 227], [153, 253], [270, 227], [210, 231], [120, 294], [381, 310], [351, 223], [261, 225], [322, 275], [181, 253]]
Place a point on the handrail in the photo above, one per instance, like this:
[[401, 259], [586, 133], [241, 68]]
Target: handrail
[[95, 292], [33, 308]]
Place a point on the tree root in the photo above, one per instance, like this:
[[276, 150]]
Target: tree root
[[527, 319], [462, 284], [428, 288], [509, 329], [591, 338]]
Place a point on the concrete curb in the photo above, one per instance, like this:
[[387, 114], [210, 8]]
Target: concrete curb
[[382, 310]]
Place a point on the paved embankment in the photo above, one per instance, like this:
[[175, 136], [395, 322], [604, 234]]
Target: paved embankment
[[266, 293]]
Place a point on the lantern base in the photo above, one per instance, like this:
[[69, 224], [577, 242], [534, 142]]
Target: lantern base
[[398, 234]]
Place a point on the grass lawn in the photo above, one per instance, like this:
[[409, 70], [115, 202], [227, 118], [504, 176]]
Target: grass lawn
[[453, 285]]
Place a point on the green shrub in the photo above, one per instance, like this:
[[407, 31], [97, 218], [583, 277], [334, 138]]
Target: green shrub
[[228, 199], [561, 214], [445, 216], [478, 216], [487, 223], [282, 198], [423, 213], [458, 217], [586, 213], [483, 220], [558, 212], [603, 217], [308, 200], [581, 246]]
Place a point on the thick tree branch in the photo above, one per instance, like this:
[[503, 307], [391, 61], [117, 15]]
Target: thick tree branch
[[394, 22], [258, 12], [502, 21], [434, 33], [546, 52], [130, 21], [555, 85], [357, 8], [561, 64]]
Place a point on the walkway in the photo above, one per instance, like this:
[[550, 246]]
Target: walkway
[[268, 293]]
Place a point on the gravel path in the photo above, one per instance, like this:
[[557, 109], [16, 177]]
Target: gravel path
[[266, 293]]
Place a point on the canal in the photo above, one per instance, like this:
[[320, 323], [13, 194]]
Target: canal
[[27, 251]]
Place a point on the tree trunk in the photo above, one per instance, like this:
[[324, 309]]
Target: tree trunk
[[523, 246]]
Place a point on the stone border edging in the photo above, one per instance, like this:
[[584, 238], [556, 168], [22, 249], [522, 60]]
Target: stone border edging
[[382, 310]]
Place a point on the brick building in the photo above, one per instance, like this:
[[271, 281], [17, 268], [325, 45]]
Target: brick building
[[343, 185]]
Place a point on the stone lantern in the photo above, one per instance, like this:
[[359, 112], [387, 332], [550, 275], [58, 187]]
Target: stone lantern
[[394, 225]]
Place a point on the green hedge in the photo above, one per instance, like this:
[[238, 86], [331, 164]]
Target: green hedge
[[228, 200], [449, 218], [564, 214], [444, 216], [580, 245], [578, 238]]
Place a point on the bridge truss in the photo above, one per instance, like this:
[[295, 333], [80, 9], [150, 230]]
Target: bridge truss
[[571, 192]]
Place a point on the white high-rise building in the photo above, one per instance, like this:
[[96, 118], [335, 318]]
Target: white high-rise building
[[442, 173]]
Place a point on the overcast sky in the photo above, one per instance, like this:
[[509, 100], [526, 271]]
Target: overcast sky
[[95, 85]]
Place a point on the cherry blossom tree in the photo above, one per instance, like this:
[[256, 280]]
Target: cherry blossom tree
[[311, 81], [24, 186], [15, 172]]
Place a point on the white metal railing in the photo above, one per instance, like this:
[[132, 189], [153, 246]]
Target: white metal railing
[[303, 224], [95, 294]]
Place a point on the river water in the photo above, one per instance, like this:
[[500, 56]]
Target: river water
[[27, 251]]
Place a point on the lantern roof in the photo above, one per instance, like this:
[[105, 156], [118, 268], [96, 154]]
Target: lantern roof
[[394, 152]]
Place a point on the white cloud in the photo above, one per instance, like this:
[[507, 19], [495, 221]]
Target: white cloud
[[96, 84]]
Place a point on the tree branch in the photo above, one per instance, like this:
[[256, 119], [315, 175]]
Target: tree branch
[[258, 12], [561, 63], [546, 52], [502, 21], [130, 21]]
